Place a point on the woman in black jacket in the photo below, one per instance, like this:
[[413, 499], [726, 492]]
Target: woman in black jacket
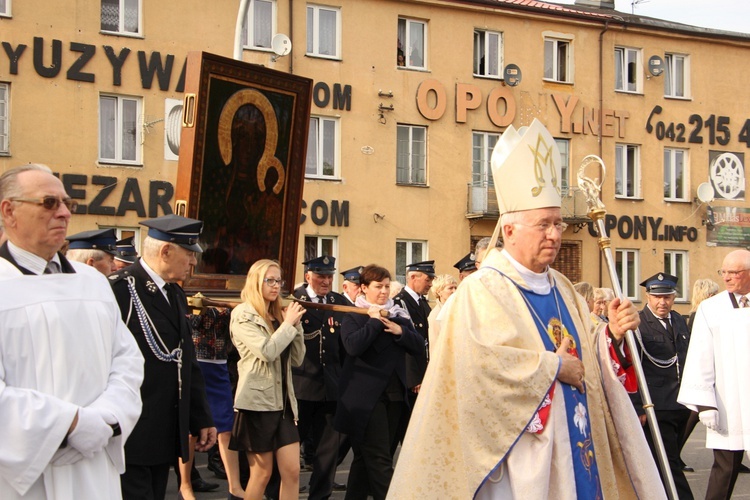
[[372, 387]]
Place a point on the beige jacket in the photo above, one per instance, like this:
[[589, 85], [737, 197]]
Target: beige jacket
[[259, 386]]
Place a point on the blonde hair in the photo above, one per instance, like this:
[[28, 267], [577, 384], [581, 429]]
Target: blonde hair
[[252, 292], [702, 289], [440, 282]]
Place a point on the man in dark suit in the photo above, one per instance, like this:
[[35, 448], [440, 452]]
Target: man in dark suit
[[316, 381], [174, 401], [466, 266], [665, 338], [351, 284], [413, 298]]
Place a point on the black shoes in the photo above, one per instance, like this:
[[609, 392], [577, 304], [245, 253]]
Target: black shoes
[[216, 466], [200, 485], [744, 469], [339, 487]]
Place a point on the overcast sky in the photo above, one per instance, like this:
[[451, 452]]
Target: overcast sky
[[730, 15]]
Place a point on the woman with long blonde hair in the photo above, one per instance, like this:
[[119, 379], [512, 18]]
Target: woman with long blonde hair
[[269, 341]]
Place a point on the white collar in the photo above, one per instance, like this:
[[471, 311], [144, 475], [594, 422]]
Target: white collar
[[538, 282], [414, 295]]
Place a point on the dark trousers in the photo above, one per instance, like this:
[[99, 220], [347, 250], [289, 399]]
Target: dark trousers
[[672, 426], [145, 482], [691, 423], [723, 474], [372, 467], [316, 417]]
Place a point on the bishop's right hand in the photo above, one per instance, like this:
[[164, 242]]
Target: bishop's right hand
[[571, 368]]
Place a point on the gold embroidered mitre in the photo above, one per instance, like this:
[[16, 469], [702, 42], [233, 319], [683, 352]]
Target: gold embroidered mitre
[[526, 169]]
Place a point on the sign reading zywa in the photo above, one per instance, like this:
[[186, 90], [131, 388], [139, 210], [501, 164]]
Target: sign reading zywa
[[728, 226]]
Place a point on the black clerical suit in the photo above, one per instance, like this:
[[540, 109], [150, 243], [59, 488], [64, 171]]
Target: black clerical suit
[[169, 415], [316, 389], [663, 342]]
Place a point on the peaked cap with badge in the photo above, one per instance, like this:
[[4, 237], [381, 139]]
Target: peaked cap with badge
[[97, 239], [125, 250], [352, 274], [176, 229], [660, 284], [325, 264], [468, 263], [427, 267]]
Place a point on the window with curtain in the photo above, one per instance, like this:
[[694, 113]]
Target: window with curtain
[[627, 171], [4, 118], [260, 24], [676, 264], [628, 72], [676, 75], [488, 53], [408, 252], [411, 155], [675, 174], [121, 16], [322, 148], [119, 129], [412, 37], [627, 266], [557, 60], [323, 31]]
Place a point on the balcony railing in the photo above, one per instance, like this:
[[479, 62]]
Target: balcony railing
[[482, 203]]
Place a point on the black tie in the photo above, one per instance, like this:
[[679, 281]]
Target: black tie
[[321, 299], [669, 327], [173, 299], [52, 268]]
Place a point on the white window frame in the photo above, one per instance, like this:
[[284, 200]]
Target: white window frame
[[628, 70], [324, 245], [671, 72], [314, 34], [410, 156], [563, 145], [319, 142], [248, 27], [409, 256], [623, 153], [677, 264], [119, 127], [671, 174], [628, 277], [5, 119], [552, 44], [482, 145], [482, 40], [121, 20], [404, 36], [7, 11]]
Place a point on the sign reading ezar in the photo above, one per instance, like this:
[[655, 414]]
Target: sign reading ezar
[[242, 165]]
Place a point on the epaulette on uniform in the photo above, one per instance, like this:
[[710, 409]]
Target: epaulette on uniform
[[115, 277]]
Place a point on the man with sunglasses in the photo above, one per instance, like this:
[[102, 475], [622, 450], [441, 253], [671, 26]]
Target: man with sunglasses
[[69, 368], [716, 373]]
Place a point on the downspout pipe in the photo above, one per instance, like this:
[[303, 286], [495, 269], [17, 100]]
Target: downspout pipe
[[601, 114], [241, 16]]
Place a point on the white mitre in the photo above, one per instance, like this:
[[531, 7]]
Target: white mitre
[[526, 168]]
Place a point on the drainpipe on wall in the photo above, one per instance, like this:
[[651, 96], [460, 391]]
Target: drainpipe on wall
[[291, 37], [241, 16]]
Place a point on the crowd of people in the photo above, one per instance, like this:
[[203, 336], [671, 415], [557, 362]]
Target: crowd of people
[[517, 383]]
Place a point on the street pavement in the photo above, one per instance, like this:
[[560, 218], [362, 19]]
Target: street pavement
[[694, 454]]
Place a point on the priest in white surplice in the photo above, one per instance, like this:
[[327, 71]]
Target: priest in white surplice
[[716, 372], [70, 371]]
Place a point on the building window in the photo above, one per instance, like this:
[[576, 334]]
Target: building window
[[121, 16], [5, 8], [119, 129], [488, 54], [563, 145], [323, 31], [627, 171], [628, 73], [677, 75], [557, 55], [676, 264], [322, 148], [627, 265], [317, 246], [482, 145], [408, 252], [260, 25], [411, 155], [4, 118], [412, 38], [675, 175]]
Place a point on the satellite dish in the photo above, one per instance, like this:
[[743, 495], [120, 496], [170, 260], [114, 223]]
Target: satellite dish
[[281, 45], [512, 75], [705, 193], [656, 65]]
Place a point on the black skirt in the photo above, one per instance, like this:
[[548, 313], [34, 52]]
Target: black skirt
[[263, 431]]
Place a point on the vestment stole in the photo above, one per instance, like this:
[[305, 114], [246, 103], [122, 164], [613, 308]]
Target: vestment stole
[[554, 324]]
